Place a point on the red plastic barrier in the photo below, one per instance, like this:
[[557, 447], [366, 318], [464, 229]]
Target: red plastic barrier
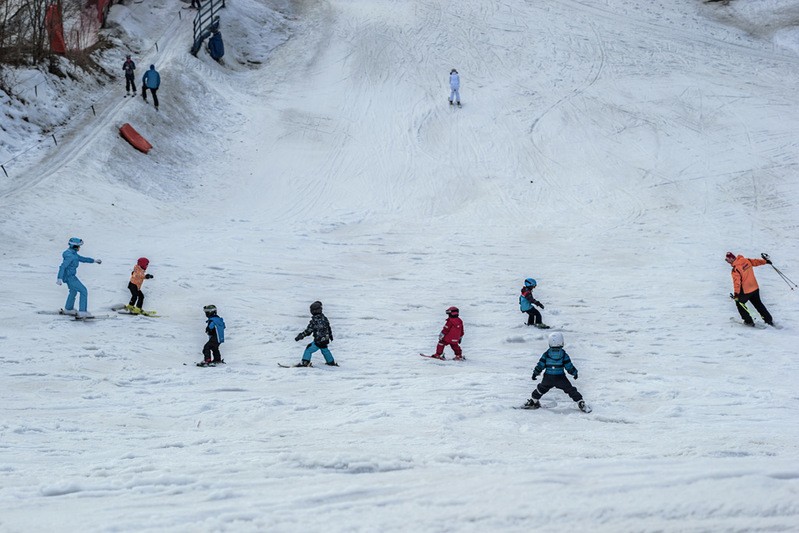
[[133, 137], [55, 29]]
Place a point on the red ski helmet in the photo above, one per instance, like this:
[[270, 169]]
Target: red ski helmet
[[730, 257], [453, 311], [143, 262]]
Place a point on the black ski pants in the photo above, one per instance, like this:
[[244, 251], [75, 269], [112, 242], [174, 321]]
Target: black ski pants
[[212, 347], [136, 295], [559, 382], [753, 297], [154, 92], [533, 316], [130, 82]]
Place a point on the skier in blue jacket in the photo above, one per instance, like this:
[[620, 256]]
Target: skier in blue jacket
[[68, 273], [526, 303], [215, 328], [151, 80], [553, 363], [454, 86]]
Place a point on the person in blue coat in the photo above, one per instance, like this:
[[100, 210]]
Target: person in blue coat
[[215, 329], [68, 273], [554, 363], [151, 80], [454, 86], [526, 303], [215, 46]]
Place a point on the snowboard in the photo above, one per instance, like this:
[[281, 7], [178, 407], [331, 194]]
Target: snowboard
[[548, 405], [541, 325]]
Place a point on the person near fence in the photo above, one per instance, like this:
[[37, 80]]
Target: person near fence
[[151, 80], [130, 81], [195, 4]]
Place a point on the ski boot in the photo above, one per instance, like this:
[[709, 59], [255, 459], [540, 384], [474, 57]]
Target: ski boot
[[70, 312], [84, 314], [584, 407], [332, 363], [304, 362], [532, 403]]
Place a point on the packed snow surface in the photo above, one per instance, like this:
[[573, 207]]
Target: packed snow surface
[[614, 150]]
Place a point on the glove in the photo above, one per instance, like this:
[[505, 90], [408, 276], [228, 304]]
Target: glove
[[535, 376], [148, 276], [98, 261], [768, 261], [575, 375], [298, 337], [58, 282], [539, 304]]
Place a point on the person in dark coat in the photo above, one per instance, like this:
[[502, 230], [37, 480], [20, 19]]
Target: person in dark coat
[[215, 46], [319, 327], [130, 81]]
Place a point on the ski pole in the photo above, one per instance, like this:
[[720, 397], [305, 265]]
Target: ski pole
[[785, 278]]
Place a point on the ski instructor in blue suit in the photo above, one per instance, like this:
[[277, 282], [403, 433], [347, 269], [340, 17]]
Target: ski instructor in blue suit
[[68, 273]]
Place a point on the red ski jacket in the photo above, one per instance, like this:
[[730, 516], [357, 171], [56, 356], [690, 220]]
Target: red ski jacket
[[453, 330]]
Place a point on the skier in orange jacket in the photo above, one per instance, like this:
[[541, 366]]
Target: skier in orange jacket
[[745, 287]]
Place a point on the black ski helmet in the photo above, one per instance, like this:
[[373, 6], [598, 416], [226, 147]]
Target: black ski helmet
[[210, 310], [316, 308]]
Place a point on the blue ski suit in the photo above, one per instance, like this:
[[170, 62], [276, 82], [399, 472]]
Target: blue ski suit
[[68, 273]]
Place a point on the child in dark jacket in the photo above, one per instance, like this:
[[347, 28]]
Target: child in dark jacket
[[451, 335], [553, 363], [319, 327], [215, 328], [527, 303]]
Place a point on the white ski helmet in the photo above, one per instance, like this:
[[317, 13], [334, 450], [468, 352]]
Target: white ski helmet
[[75, 242], [556, 340]]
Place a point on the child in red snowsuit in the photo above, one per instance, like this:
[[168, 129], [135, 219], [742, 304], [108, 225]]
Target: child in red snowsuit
[[451, 335]]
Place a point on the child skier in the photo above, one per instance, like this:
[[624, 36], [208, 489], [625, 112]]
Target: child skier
[[454, 86], [68, 273], [319, 327], [527, 303], [215, 328], [451, 335], [552, 363], [137, 277]]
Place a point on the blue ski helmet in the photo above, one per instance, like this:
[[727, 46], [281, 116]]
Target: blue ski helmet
[[75, 242], [530, 282]]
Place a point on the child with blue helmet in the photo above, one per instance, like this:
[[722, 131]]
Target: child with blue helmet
[[527, 304], [215, 329], [68, 273]]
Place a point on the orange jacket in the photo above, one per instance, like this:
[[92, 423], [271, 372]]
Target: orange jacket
[[743, 277], [137, 276]]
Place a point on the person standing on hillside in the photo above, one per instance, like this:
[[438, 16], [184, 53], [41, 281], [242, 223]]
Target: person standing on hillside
[[319, 327], [553, 363], [130, 81], [527, 304], [215, 329], [454, 86], [137, 278], [745, 287], [68, 273], [451, 335], [151, 80]]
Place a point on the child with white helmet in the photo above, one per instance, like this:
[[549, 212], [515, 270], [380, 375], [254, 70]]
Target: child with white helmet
[[553, 363]]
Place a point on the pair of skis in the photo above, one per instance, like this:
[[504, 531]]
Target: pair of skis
[[74, 316], [442, 358]]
